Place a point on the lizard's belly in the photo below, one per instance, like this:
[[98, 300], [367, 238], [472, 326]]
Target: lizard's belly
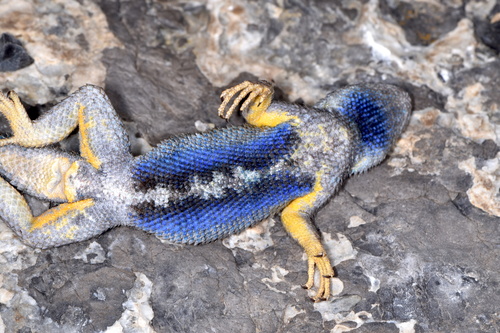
[[196, 189], [213, 211]]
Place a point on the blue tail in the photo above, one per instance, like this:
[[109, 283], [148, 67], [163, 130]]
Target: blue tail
[[379, 112]]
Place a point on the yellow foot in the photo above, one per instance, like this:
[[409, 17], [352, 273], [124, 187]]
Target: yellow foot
[[322, 263], [20, 123], [259, 98]]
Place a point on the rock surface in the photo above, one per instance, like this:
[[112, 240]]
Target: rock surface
[[415, 241]]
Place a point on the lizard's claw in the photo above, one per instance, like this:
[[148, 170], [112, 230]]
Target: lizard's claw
[[258, 95], [322, 263], [10, 104], [12, 109]]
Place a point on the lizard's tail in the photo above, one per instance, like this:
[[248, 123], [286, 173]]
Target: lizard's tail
[[379, 113]]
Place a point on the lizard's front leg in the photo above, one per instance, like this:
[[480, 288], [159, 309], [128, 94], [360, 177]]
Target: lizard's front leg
[[257, 98], [295, 218]]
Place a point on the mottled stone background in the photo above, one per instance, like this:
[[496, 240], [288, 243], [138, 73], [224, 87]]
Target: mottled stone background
[[415, 241]]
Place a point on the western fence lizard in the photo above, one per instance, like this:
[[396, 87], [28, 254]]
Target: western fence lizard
[[195, 188]]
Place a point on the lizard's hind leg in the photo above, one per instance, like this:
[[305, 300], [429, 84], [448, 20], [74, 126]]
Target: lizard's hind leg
[[64, 224], [47, 174], [41, 172], [61, 177], [102, 136], [51, 127]]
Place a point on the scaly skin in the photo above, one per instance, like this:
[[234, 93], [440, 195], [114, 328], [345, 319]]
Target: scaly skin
[[195, 188]]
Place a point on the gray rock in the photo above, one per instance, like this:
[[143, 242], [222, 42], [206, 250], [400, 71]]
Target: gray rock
[[415, 241]]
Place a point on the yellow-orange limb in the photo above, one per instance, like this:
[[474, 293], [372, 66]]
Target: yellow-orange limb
[[63, 214], [258, 97], [20, 123], [301, 230], [49, 128], [85, 144]]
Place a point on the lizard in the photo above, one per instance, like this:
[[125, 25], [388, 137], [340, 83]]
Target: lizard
[[195, 188]]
